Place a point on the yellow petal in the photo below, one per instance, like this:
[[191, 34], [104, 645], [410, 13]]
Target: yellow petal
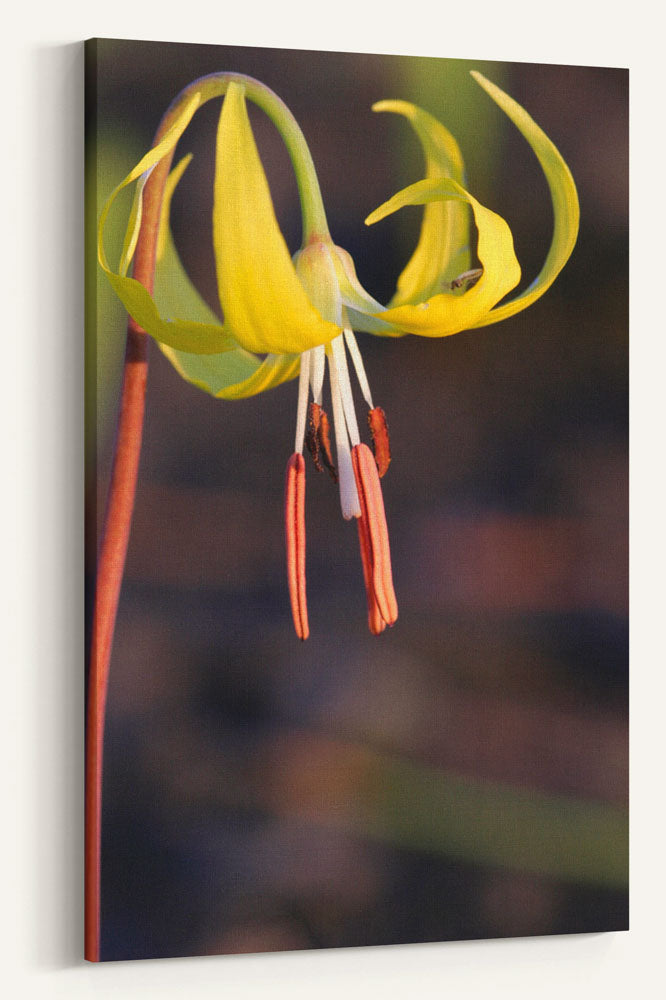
[[566, 210], [442, 251], [263, 301], [449, 313]]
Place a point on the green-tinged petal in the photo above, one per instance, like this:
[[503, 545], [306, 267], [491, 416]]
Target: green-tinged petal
[[449, 313], [173, 288], [566, 209], [442, 251], [352, 292], [231, 375], [234, 375], [360, 307], [364, 323], [262, 299], [184, 335]]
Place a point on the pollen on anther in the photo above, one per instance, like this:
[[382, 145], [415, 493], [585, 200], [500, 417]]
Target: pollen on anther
[[318, 440], [380, 439]]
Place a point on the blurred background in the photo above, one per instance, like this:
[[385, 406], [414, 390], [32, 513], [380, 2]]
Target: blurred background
[[464, 775]]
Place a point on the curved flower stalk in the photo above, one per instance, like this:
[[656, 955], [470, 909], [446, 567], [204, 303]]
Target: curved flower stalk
[[285, 318]]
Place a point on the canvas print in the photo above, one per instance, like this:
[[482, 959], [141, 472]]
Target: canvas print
[[356, 363]]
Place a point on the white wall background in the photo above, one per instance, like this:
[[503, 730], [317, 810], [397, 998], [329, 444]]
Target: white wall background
[[42, 508]]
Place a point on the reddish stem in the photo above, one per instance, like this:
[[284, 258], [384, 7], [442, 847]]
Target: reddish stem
[[128, 447], [113, 550]]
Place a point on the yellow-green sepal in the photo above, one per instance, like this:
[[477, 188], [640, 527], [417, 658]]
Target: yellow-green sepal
[[447, 313], [566, 210], [264, 304], [442, 251]]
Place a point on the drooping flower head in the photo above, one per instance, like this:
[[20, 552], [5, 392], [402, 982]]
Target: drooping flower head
[[287, 317]]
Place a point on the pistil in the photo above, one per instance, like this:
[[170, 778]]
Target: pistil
[[348, 493]]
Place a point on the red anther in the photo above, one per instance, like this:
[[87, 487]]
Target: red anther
[[325, 445], [294, 521], [318, 440], [376, 623], [377, 555], [380, 439], [312, 434]]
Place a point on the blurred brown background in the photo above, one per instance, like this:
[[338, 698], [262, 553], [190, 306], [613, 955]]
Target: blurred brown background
[[465, 774]]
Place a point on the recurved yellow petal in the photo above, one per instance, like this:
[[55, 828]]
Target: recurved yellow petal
[[146, 163], [566, 209], [262, 299], [205, 336], [447, 312], [443, 250]]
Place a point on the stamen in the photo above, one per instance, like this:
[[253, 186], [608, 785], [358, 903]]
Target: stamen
[[340, 359], [358, 365], [324, 435], [376, 623], [312, 436], [294, 520], [301, 411], [348, 493], [374, 516], [380, 439], [318, 440]]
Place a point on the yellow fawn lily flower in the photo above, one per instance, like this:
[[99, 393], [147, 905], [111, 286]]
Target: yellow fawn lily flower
[[285, 317]]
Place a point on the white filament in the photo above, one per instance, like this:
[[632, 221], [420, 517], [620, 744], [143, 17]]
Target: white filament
[[358, 365], [342, 372], [317, 367], [301, 412], [348, 493]]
